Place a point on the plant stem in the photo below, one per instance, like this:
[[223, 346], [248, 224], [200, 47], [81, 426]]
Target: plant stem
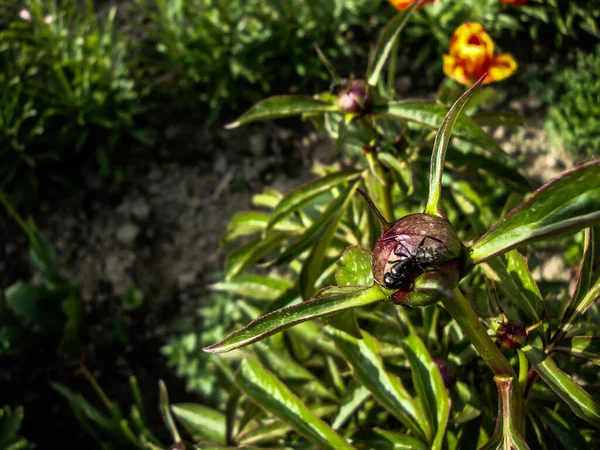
[[467, 319], [461, 311]]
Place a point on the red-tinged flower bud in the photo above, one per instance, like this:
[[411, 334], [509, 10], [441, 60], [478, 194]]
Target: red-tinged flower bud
[[419, 247], [511, 335], [356, 98], [447, 371]]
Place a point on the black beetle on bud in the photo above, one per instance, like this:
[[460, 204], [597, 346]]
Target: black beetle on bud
[[416, 257]]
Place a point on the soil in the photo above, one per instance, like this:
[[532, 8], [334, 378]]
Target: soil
[[158, 232]]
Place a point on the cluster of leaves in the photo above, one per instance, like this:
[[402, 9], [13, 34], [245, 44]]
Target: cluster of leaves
[[69, 94], [574, 115], [39, 314], [10, 423], [216, 53]]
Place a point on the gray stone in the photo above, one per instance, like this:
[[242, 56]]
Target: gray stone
[[127, 234]]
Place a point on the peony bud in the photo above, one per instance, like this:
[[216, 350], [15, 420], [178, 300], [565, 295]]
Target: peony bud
[[356, 98], [447, 371], [419, 247], [511, 335]]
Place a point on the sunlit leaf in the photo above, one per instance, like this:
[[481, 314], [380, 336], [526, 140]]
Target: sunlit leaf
[[273, 396], [282, 106], [201, 422], [580, 402], [327, 301], [368, 369], [354, 397], [354, 267], [433, 115], [440, 145], [386, 440], [429, 386], [566, 203], [581, 346], [302, 195], [385, 44], [511, 274], [252, 252], [258, 287]]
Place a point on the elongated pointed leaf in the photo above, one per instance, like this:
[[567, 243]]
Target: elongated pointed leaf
[[258, 287], [509, 420], [580, 402], [581, 346], [401, 170], [302, 195], [566, 433], [333, 210], [252, 252], [201, 422], [354, 397], [386, 440], [368, 369], [440, 145], [165, 412], [430, 387], [587, 291], [566, 203], [246, 223], [433, 115], [273, 396], [385, 44], [327, 301], [512, 275], [282, 106], [313, 268], [354, 267]]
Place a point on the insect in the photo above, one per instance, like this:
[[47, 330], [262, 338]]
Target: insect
[[404, 271]]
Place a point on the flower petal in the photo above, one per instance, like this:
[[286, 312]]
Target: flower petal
[[454, 69], [501, 67]]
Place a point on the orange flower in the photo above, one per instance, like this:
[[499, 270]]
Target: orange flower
[[401, 5], [514, 2], [472, 55]]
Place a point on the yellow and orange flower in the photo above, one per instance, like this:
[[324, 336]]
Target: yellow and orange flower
[[401, 5], [472, 55]]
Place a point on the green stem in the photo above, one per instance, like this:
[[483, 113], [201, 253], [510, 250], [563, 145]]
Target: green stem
[[463, 313], [467, 319]]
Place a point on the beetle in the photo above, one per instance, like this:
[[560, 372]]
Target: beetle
[[409, 266]]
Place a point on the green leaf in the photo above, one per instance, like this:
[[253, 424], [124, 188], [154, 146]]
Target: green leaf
[[316, 229], [201, 422], [401, 170], [368, 369], [385, 44], [353, 398], [327, 301], [282, 106], [302, 195], [258, 287], [354, 267], [566, 203], [165, 411], [434, 115], [252, 252], [581, 346], [566, 433], [273, 396], [312, 268], [386, 440], [587, 291], [244, 223], [430, 387], [512, 275], [509, 419], [440, 145], [580, 402]]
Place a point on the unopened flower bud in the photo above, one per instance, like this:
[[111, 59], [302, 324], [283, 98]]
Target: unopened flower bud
[[417, 247], [356, 98], [511, 335], [447, 371]]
